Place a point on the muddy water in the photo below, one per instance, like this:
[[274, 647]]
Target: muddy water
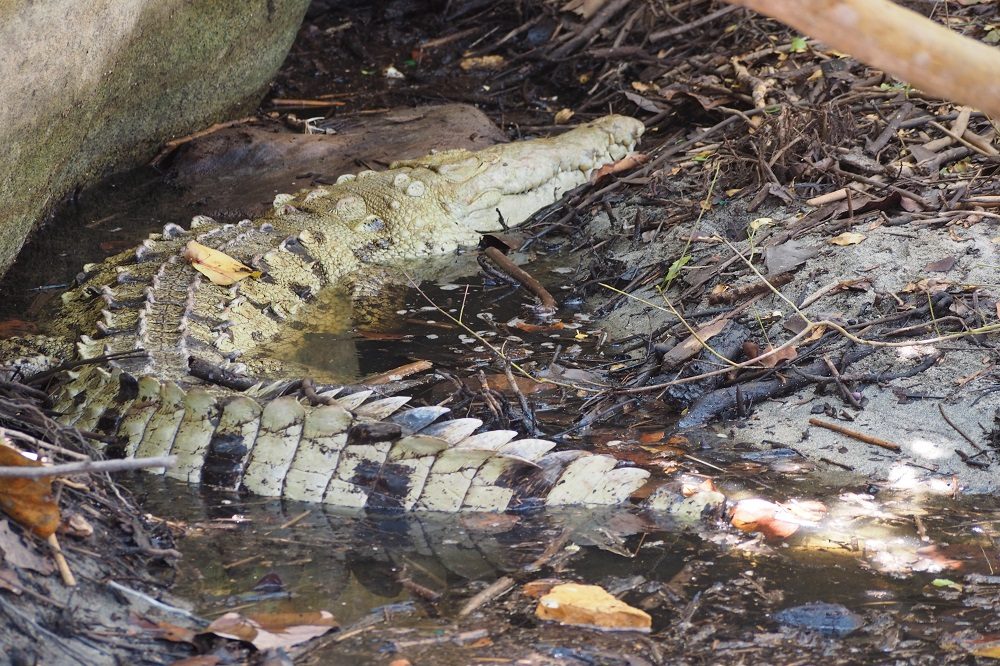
[[877, 554]]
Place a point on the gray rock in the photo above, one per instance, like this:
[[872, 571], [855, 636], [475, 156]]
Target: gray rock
[[89, 87]]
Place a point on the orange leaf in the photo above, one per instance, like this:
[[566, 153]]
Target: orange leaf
[[630, 161], [270, 630], [768, 518], [28, 501]]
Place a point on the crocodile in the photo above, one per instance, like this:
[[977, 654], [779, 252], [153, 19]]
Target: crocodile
[[141, 322]]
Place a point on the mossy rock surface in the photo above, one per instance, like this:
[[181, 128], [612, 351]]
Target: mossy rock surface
[[91, 87]]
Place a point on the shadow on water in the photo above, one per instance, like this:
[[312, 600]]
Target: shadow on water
[[351, 563]]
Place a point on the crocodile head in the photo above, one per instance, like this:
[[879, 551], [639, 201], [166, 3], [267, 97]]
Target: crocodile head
[[446, 200]]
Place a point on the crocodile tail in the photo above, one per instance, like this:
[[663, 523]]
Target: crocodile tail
[[359, 450]]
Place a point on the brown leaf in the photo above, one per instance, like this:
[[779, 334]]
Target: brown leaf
[[273, 630], [10, 328], [783, 354], [9, 580], [848, 238], [28, 501], [199, 660], [630, 161], [941, 265], [539, 587], [591, 606], [563, 116], [527, 327], [690, 346], [767, 518], [790, 254], [775, 521], [486, 62], [217, 266], [584, 8], [78, 526], [164, 630]]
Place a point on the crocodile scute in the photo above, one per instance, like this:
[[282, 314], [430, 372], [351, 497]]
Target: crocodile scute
[[156, 317]]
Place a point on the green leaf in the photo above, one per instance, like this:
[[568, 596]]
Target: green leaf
[[675, 269], [944, 582], [798, 45]]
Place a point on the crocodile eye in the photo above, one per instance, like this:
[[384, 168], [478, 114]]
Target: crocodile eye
[[372, 225]]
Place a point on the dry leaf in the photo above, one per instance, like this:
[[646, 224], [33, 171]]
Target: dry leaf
[[273, 630], [164, 630], [941, 265], [848, 238], [199, 660], [539, 587], [690, 346], [591, 606], [28, 501], [217, 266], [488, 62], [584, 8], [563, 116], [630, 161], [643, 103], [767, 518], [9, 580], [783, 354], [791, 254], [775, 521], [78, 526]]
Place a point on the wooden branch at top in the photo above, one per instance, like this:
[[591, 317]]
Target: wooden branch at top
[[909, 46]]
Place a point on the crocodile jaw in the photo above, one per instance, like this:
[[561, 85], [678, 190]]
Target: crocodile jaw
[[438, 203], [521, 178]]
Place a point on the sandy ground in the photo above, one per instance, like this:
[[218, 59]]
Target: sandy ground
[[905, 411]]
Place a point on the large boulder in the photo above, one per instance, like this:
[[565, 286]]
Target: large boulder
[[89, 87]]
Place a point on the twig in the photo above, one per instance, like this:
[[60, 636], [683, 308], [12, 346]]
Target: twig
[[844, 391], [153, 602], [522, 276], [496, 589], [171, 146], [25, 437], [660, 35], [57, 554], [731, 296], [398, 373], [87, 467], [860, 436], [957, 429], [291, 522]]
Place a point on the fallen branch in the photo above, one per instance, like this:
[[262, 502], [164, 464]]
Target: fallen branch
[[90, 466], [524, 277], [860, 436], [905, 44]]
